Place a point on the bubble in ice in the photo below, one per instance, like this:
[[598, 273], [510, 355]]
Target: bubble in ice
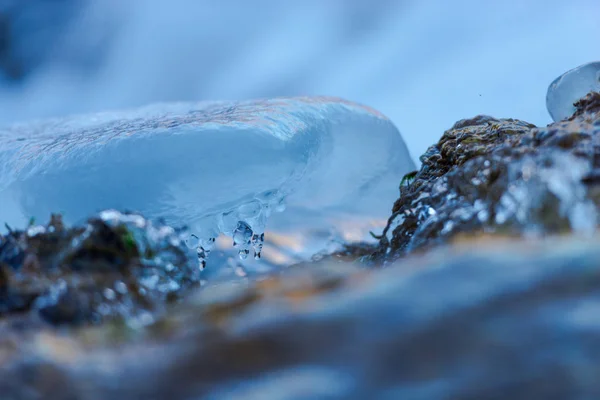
[[571, 86]]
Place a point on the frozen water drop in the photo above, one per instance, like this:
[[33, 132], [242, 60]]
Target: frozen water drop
[[203, 249], [242, 235], [257, 244], [202, 256], [244, 253]]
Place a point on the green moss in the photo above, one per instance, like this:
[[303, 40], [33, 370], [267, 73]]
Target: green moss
[[128, 240], [408, 178]]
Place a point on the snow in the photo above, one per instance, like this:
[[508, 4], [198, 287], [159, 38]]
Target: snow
[[570, 87], [216, 167]]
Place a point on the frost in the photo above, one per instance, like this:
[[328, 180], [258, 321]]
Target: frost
[[571, 86], [216, 168]]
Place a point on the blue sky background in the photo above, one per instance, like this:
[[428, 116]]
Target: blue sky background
[[425, 64]]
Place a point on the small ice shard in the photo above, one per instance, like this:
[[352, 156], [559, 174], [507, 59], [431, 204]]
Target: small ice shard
[[203, 248], [257, 244], [571, 86], [208, 166]]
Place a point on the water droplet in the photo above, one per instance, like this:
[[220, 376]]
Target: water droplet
[[121, 287], [244, 253], [150, 282], [203, 250], [425, 212], [448, 226], [35, 230], [109, 294]]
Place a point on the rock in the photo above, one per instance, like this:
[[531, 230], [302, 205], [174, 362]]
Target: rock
[[115, 266], [489, 175], [489, 319]]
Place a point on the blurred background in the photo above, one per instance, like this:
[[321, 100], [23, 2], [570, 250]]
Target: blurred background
[[423, 63]]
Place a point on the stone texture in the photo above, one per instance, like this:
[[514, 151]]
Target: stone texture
[[490, 175]]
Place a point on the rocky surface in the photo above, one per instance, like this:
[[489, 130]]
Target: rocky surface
[[488, 175], [490, 291], [506, 320], [115, 266]]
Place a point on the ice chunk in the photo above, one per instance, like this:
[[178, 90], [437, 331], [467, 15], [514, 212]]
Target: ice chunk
[[570, 87], [214, 167]]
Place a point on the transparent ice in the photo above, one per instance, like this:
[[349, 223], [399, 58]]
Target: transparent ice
[[570, 87], [217, 168]]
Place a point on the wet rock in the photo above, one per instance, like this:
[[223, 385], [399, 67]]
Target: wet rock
[[489, 319], [115, 266], [505, 176]]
